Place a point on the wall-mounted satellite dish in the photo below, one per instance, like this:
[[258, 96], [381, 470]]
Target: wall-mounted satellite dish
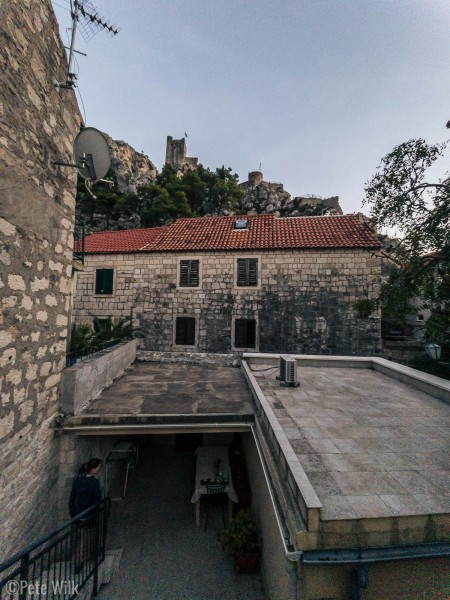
[[91, 153]]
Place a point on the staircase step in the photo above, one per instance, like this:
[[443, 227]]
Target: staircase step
[[109, 565]]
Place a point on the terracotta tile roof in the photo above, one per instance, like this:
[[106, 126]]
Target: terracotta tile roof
[[130, 240], [264, 232], [218, 233]]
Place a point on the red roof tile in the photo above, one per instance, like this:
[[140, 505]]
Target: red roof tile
[[218, 233], [264, 232], [130, 240]]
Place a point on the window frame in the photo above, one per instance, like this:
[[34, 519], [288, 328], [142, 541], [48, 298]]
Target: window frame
[[236, 272], [233, 333], [189, 287], [185, 316], [103, 294]]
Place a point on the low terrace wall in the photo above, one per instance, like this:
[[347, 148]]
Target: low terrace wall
[[87, 378]]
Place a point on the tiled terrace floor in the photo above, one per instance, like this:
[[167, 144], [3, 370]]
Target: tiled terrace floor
[[371, 446], [165, 556]]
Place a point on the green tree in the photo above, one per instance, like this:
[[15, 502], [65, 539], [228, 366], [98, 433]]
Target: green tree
[[400, 196]]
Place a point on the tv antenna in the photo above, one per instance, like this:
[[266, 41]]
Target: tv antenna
[[86, 18], [92, 157]]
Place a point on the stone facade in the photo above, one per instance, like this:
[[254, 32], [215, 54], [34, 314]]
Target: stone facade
[[37, 125], [302, 303]]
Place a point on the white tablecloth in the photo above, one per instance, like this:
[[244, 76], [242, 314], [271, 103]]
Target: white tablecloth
[[206, 457]]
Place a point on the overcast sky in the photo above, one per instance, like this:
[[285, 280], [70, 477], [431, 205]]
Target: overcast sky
[[316, 91]]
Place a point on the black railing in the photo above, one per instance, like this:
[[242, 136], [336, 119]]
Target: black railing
[[78, 240], [60, 565]]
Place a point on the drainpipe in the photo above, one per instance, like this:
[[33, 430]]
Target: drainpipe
[[289, 550], [362, 557]]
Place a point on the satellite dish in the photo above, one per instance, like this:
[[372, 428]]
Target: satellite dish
[[91, 153]]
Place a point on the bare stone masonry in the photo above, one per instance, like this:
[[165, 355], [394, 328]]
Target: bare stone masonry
[[302, 304], [37, 202]]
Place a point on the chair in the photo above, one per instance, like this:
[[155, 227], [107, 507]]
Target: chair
[[213, 493]]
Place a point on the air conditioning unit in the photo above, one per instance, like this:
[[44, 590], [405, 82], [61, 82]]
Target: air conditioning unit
[[288, 371]]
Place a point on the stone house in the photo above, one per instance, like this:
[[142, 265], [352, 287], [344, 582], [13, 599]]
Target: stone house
[[37, 202], [234, 284]]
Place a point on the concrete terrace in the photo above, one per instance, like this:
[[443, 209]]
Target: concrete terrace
[[370, 445], [164, 393]]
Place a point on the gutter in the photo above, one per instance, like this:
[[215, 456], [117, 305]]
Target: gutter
[[289, 548], [344, 556]]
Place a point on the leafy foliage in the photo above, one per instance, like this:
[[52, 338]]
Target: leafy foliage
[[399, 196], [85, 340], [241, 534], [195, 193]]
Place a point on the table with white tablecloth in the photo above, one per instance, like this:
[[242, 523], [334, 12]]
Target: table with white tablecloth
[[212, 462]]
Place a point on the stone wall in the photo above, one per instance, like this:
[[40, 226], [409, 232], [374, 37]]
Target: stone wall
[[87, 378], [37, 125], [303, 303]]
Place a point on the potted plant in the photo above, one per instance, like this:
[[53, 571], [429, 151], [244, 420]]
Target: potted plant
[[241, 539]]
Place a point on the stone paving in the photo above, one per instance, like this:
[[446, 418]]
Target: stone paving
[[152, 388], [370, 445], [165, 556]]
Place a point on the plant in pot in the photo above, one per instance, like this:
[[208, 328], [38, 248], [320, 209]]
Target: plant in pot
[[241, 539]]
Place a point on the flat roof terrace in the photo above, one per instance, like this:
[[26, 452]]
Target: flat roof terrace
[[371, 446], [164, 394]]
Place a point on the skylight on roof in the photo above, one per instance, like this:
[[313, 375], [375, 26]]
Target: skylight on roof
[[241, 224]]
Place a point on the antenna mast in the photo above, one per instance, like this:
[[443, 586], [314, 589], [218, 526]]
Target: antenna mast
[[89, 25]]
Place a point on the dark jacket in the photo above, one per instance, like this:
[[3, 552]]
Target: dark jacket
[[85, 493]]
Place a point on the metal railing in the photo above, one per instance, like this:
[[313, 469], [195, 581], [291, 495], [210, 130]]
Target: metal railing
[[59, 565], [78, 240]]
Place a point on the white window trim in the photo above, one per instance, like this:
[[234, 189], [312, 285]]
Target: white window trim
[[174, 333], [200, 273], [235, 273], [233, 319], [114, 281]]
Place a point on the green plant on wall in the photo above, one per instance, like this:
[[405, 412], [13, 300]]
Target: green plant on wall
[[86, 340], [364, 307]]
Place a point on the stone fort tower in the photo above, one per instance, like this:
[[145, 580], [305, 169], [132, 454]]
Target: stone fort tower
[[176, 156]]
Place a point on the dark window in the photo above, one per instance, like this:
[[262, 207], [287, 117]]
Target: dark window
[[247, 271], [185, 331], [189, 270], [245, 333], [104, 281]]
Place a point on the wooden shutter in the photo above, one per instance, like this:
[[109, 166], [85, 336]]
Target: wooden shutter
[[185, 331], [189, 273], [252, 271], [104, 281], [194, 273], [247, 271]]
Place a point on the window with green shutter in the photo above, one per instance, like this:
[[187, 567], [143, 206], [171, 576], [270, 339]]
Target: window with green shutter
[[104, 281], [245, 333], [189, 273], [185, 331], [247, 272]]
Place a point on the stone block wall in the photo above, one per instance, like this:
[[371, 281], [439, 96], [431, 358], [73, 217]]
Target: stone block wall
[[303, 303], [37, 202], [81, 382]]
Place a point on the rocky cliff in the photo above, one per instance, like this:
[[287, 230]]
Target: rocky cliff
[[267, 198], [132, 169]]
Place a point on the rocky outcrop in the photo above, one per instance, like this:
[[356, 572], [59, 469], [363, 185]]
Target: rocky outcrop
[[132, 169], [268, 198]]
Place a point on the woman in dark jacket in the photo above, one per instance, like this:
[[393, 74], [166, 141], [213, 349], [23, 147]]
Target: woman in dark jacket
[[86, 488]]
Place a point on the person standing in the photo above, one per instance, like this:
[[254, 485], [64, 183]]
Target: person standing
[[86, 490]]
